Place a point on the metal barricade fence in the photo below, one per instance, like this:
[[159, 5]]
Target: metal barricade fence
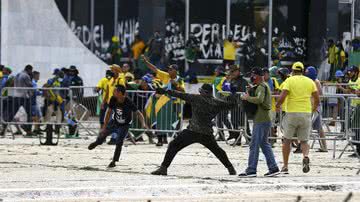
[[353, 124], [161, 113], [30, 107], [234, 121]]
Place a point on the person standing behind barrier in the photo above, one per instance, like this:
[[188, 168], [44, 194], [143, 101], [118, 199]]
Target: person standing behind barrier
[[230, 47], [261, 128], [354, 87], [239, 84], [77, 94], [118, 79], [54, 102], [333, 58], [5, 80], [101, 87], [170, 81], [35, 108], [204, 108], [22, 97], [121, 109], [299, 90], [222, 118], [311, 73], [137, 48]]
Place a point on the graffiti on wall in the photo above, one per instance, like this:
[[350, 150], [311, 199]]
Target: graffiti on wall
[[126, 30], [251, 43], [174, 41]]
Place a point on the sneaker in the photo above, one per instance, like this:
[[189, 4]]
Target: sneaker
[[92, 146], [160, 171], [247, 175], [322, 150], [272, 173], [306, 166], [284, 170], [353, 155], [297, 151], [159, 144], [112, 164], [232, 170]]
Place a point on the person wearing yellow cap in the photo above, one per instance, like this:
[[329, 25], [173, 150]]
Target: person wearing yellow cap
[[299, 90]]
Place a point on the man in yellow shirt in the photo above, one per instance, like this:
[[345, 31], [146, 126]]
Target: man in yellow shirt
[[137, 48], [101, 87], [299, 90], [171, 81], [230, 47], [117, 79]]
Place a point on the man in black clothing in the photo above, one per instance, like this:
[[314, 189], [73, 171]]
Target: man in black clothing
[[121, 109], [204, 109]]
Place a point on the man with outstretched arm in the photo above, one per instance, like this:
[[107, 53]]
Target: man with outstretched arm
[[204, 109], [121, 109]]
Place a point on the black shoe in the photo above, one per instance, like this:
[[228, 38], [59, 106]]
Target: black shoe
[[112, 142], [284, 170], [306, 166], [247, 175], [160, 171], [231, 170], [92, 145], [112, 164], [159, 144], [297, 151], [353, 155], [272, 173]]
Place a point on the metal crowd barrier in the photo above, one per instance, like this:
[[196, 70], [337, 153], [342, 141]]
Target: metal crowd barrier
[[353, 124], [162, 114]]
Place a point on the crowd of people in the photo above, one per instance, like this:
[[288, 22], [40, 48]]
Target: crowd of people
[[22, 91], [292, 93]]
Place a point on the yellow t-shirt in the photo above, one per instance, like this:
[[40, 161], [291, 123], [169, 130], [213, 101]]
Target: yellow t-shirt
[[300, 89], [102, 85], [137, 49], [1, 74], [229, 50], [355, 86], [284, 105], [112, 83]]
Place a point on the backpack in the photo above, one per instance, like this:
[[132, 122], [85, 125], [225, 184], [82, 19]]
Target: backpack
[[251, 108]]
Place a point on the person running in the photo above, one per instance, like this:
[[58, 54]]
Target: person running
[[261, 129], [298, 90], [121, 109], [204, 109]]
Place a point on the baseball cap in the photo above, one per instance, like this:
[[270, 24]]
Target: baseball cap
[[56, 71], [173, 66], [298, 66], [339, 73], [257, 71]]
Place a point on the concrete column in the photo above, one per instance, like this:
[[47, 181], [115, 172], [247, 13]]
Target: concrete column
[[151, 17]]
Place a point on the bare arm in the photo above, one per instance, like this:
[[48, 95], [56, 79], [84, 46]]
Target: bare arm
[[141, 118], [107, 118], [281, 100], [316, 98], [148, 64]]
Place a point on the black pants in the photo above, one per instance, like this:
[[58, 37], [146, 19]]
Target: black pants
[[188, 137], [121, 132]]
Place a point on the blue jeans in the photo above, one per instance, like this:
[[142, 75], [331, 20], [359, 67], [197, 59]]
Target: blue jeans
[[259, 139], [121, 133]]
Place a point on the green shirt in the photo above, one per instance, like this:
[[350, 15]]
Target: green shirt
[[263, 100]]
